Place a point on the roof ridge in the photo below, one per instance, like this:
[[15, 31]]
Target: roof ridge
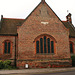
[[14, 18]]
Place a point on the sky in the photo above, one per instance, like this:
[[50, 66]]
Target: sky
[[22, 8]]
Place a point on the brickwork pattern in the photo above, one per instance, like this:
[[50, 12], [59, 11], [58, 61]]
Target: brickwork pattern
[[4, 56], [34, 26]]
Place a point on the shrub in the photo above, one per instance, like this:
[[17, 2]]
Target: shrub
[[7, 64], [73, 60], [1, 64]]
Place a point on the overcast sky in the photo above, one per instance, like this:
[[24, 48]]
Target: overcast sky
[[22, 8]]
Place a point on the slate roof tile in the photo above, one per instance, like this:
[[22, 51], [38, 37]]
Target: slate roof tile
[[9, 26], [70, 27]]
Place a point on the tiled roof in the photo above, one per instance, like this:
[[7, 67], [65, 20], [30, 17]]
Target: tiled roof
[[70, 27], [9, 26]]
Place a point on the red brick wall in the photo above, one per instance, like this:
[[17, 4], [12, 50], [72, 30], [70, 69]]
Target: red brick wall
[[4, 56], [33, 27], [45, 63]]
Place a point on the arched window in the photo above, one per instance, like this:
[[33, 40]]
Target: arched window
[[71, 47], [7, 46], [45, 44]]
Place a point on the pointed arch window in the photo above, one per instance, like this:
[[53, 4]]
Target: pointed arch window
[[45, 44], [7, 47]]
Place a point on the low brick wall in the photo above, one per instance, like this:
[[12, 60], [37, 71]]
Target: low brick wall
[[44, 63]]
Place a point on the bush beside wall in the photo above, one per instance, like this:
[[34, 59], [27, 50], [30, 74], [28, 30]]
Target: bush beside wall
[[1, 64], [73, 60], [6, 64]]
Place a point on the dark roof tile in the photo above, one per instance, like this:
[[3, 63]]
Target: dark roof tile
[[70, 27], [9, 26]]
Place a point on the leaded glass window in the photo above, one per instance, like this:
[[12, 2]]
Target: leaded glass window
[[45, 44], [7, 47]]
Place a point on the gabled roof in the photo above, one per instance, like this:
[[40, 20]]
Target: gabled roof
[[9, 25], [65, 23], [70, 27], [42, 2]]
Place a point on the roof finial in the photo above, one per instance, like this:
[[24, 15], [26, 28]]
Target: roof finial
[[42, 1]]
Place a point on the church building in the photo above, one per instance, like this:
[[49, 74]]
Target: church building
[[41, 40]]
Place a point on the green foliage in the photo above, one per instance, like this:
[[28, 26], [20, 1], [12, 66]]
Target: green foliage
[[1, 64], [73, 60], [6, 65], [7, 62]]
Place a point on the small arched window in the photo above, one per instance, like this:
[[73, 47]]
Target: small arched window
[[7, 46], [45, 44], [71, 47]]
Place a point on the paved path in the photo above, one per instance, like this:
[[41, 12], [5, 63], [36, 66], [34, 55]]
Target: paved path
[[31, 71], [57, 73]]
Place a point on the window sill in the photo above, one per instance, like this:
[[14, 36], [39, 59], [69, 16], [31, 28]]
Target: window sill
[[7, 54]]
